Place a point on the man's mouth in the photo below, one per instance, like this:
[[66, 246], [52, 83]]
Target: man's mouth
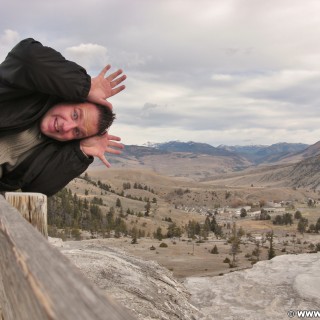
[[56, 125]]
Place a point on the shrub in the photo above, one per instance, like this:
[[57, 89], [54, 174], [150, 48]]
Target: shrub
[[226, 260], [163, 245], [214, 250]]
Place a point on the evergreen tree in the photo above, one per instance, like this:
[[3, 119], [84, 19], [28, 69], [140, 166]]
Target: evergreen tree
[[147, 207], [317, 226], [298, 215], [218, 231], [158, 234], [302, 225], [118, 203], [256, 252], [173, 231], [193, 228], [213, 224], [271, 252], [214, 250], [243, 213], [235, 241]]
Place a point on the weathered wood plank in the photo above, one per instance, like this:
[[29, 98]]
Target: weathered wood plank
[[39, 283], [32, 206]]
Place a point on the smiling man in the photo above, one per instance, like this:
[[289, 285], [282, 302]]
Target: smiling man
[[54, 118], [68, 121]]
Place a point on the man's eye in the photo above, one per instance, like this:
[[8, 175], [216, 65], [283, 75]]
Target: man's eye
[[75, 115]]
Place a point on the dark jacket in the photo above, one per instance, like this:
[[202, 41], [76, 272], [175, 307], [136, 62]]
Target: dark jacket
[[33, 78]]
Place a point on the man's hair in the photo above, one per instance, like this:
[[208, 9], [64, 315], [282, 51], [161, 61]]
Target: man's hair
[[106, 118]]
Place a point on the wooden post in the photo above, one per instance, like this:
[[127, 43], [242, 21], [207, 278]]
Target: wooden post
[[37, 282], [32, 206]]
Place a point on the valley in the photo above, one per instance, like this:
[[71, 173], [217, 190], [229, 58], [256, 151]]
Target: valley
[[197, 218], [185, 188]]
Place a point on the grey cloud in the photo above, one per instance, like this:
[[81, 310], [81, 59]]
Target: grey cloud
[[148, 106], [217, 66], [90, 55], [8, 38], [146, 111]]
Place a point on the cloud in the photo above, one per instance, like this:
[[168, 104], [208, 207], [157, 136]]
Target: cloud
[[146, 111], [89, 55], [220, 72], [9, 37], [7, 40]]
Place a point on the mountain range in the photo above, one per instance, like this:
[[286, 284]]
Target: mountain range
[[267, 154], [281, 164], [256, 154]]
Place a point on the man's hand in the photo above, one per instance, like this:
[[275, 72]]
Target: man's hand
[[103, 87], [96, 146]]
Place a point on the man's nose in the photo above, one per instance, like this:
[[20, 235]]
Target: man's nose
[[67, 126]]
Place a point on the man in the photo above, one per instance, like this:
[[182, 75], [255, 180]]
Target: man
[[53, 118]]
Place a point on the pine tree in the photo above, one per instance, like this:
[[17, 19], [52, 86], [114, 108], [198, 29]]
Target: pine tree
[[118, 203], [147, 207], [302, 225], [214, 250], [158, 234], [235, 240], [271, 252]]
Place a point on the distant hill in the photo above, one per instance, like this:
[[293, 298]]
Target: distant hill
[[141, 151], [193, 147], [301, 174], [250, 149], [197, 161], [190, 160], [267, 154], [306, 173], [310, 151]]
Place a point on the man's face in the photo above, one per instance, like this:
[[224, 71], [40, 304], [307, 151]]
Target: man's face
[[69, 121]]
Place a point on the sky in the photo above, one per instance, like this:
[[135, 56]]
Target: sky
[[232, 72]]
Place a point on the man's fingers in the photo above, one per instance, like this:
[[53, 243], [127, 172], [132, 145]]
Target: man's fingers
[[117, 81], [111, 137], [113, 151], [117, 90], [114, 75], [115, 144], [105, 161], [104, 70]]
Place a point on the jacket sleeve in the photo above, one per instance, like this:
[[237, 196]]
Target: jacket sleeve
[[36, 68], [53, 168]]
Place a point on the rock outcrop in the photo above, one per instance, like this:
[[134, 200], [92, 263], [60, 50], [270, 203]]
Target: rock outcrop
[[148, 290], [267, 291]]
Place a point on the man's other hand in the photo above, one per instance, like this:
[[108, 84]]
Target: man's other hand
[[103, 87], [97, 146]]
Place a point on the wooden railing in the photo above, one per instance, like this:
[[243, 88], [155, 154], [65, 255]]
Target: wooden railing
[[37, 282]]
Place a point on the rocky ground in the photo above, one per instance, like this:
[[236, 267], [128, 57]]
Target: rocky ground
[[148, 290], [267, 291]]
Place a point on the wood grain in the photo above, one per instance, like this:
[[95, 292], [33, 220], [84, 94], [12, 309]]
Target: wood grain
[[32, 206], [37, 282]]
